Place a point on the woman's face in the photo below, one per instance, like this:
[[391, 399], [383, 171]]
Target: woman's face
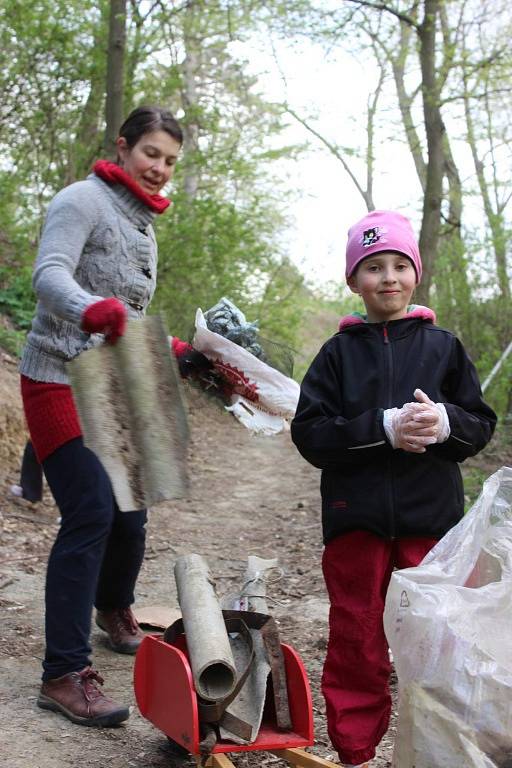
[[151, 161]]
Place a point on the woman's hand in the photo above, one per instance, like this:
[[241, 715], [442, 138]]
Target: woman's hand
[[108, 316], [191, 363]]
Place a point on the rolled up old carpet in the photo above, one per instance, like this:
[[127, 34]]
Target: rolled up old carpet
[[133, 414], [211, 657]]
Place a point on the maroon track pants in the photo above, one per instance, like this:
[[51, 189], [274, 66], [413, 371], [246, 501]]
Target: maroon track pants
[[357, 568]]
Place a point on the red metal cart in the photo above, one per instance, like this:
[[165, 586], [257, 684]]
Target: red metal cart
[[165, 694]]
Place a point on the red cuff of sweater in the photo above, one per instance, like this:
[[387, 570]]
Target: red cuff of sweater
[[51, 415]]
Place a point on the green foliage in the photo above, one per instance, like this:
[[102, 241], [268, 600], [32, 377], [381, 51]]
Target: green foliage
[[499, 392], [224, 240], [43, 81], [17, 299], [224, 237], [209, 248], [451, 298], [11, 340], [474, 478], [321, 311], [16, 255], [491, 324]]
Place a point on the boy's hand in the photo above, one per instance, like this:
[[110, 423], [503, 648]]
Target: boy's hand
[[416, 425], [405, 432], [433, 415]]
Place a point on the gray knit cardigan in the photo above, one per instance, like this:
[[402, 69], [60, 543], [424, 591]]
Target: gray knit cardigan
[[97, 242]]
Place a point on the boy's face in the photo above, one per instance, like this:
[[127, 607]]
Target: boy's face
[[385, 281]]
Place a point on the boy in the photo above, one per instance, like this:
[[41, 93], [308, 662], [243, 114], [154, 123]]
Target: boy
[[387, 409]]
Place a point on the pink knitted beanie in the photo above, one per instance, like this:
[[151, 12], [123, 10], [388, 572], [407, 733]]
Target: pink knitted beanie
[[381, 231]]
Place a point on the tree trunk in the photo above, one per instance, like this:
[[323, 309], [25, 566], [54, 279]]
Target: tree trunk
[[404, 103], [453, 291], [495, 219], [88, 142], [190, 102], [373, 100], [434, 128], [115, 75]]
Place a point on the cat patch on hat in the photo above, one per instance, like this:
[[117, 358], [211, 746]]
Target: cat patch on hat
[[372, 236]]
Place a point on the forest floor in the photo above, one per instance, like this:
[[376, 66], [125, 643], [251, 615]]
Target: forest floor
[[249, 495]]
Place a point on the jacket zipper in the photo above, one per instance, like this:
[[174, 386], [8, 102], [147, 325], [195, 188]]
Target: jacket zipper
[[391, 495]]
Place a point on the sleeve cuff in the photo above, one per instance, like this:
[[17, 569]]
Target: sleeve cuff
[[444, 429]]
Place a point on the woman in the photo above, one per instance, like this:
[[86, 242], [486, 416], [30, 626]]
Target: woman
[[96, 267]]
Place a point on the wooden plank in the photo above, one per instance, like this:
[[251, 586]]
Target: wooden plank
[[222, 761], [296, 757], [217, 761], [302, 759]]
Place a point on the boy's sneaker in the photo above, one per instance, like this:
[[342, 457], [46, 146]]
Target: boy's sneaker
[[77, 697], [124, 634]]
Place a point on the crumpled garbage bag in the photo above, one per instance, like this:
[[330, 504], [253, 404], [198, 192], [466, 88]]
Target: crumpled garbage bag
[[227, 320], [449, 625], [259, 391]]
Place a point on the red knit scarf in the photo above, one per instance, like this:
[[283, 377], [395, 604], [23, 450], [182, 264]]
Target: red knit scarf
[[114, 174]]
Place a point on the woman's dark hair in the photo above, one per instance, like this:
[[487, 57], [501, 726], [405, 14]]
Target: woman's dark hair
[[146, 119]]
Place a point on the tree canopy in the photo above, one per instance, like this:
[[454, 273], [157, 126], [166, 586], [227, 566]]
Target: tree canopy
[[70, 71]]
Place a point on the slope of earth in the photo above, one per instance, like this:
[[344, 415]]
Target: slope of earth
[[249, 495]]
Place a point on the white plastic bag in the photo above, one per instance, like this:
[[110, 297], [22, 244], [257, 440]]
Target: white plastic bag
[[269, 389], [449, 625], [255, 419]]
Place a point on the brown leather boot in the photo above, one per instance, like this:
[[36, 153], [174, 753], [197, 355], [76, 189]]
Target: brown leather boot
[[124, 634], [78, 698]]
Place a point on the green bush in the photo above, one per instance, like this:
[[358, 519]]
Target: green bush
[[11, 340], [16, 296]]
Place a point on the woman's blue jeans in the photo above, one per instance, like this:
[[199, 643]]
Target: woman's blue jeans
[[95, 559]]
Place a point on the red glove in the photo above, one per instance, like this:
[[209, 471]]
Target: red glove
[[191, 363], [180, 347], [108, 316]]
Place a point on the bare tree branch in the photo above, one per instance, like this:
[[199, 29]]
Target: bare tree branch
[[370, 126], [384, 7], [334, 151]]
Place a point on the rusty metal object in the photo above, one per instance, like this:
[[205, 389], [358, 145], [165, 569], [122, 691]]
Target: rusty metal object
[[267, 626]]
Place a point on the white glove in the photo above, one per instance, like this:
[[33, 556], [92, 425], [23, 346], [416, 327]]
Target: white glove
[[441, 424], [403, 431], [416, 425]]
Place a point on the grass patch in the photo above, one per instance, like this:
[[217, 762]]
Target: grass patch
[[474, 478], [12, 341], [496, 455]]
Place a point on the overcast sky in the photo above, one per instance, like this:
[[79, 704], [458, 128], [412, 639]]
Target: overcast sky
[[331, 92]]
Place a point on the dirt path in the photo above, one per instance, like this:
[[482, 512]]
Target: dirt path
[[250, 495]]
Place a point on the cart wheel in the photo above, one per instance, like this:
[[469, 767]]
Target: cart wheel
[[176, 749]]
